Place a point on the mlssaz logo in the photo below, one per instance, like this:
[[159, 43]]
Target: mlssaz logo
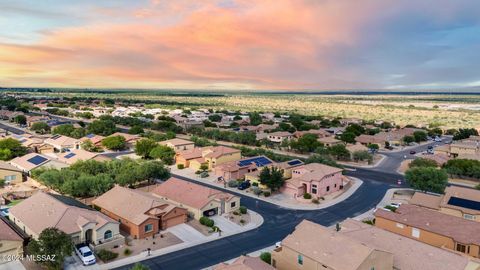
[[40, 258]]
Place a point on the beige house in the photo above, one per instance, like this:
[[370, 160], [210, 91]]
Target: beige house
[[63, 143], [10, 174], [179, 144], [80, 154], [245, 263], [32, 161], [432, 227], [329, 141], [210, 156], [84, 225], [457, 201], [199, 200], [279, 136], [11, 244], [312, 247]]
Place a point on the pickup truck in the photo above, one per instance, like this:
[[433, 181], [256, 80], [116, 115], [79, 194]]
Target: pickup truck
[[85, 254]]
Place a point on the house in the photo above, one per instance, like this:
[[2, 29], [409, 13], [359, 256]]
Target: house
[[352, 148], [33, 143], [10, 174], [95, 139], [211, 156], [130, 139], [199, 200], [329, 141], [80, 154], [286, 166], [140, 213], [279, 136], [319, 132], [11, 243], [32, 161], [84, 225], [314, 178], [311, 246], [179, 144], [63, 143], [349, 121], [245, 262], [238, 169], [432, 227], [408, 254], [457, 201], [370, 139], [36, 118]]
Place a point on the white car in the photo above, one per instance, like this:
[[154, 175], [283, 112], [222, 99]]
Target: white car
[[396, 205], [85, 254]]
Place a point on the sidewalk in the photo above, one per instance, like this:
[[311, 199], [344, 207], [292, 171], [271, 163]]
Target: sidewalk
[[211, 180], [374, 165], [255, 222], [385, 201]]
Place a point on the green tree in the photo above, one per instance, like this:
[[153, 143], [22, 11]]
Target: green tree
[[408, 139], [65, 129], [89, 146], [215, 118], [339, 151], [348, 137], [136, 130], [362, 156], [420, 136], [266, 257], [272, 178], [40, 127], [164, 153], [306, 143], [51, 242], [102, 127], [355, 128], [463, 168], [11, 148], [21, 119], [427, 179], [114, 143], [423, 162], [465, 133], [144, 146], [373, 146], [255, 118]]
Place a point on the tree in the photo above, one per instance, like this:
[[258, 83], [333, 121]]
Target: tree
[[427, 179], [339, 151], [465, 133], [215, 118], [266, 257], [373, 146], [272, 178], [21, 119], [306, 143], [40, 127], [116, 143], [420, 136], [89, 146], [408, 139], [144, 146], [164, 153], [255, 118], [11, 148], [102, 127], [51, 242], [348, 137], [362, 156], [139, 266], [355, 128], [65, 129], [423, 162], [136, 130], [463, 168]]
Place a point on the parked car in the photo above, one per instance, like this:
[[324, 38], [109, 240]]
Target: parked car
[[396, 205], [430, 147], [412, 152], [244, 185], [85, 254]]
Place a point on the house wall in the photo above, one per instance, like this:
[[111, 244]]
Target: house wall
[[100, 232], [427, 237], [181, 147], [22, 226], [212, 162], [10, 248], [333, 183], [195, 165], [137, 231], [18, 175], [287, 259], [174, 217], [457, 213]]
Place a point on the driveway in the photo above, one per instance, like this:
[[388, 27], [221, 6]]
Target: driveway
[[186, 233], [226, 225]]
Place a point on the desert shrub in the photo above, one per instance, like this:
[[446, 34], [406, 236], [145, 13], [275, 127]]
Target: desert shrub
[[243, 209], [266, 257], [106, 255], [256, 190], [315, 201], [255, 184], [180, 166], [198, 172], [207, 221], [127, 252], [232, 183], [236, 213], [242, 221], [266, 193], [307, 196]]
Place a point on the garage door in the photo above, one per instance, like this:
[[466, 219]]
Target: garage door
[[210, 212], [173, 221]]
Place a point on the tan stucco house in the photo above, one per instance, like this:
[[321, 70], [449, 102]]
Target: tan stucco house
[[10, 174]]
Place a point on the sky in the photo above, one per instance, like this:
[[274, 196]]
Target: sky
[[241, 44]]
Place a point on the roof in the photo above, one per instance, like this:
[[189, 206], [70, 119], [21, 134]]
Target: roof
[[133, 205], [128, 137], [219, 151], [29, 161], [315, 171], [76, 155], [328, 140], [408, 254], [43, 210], [93, 138], [356, 147], [368, 139], [327, 246], [190, 194], [176, 142], [280, 134], [5, 166], [426, 200], [245, 263], [191, 154], [7, 233], [470, 196], [61, 140], [456, 228], [290, 164]]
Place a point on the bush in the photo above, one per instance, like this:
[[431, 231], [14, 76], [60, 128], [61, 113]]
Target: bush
[[207, 221], [423, 162], [242, 221], [315, 201], [307, 196], [180, 166], [478, 187], [232, 183], [236, 213], [127, 252], [255, 184], [243, 209], [391, 208], [266, 193], [369, 221], [106, 255], [198, 172], [256, 190], [266, 257]]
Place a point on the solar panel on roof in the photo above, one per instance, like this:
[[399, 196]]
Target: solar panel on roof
[[90, 136], [70, 155], [294, 162], [465, 203], [259, 161], [56, 137], [37, 160]]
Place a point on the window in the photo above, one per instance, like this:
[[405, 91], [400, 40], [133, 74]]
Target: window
[[335, 185], [300, 259], [461, 248], [10, 178], [469, 217], [233, 204], [314, 189], [148, 227], [399, 225], [107, 235], [415, 232], [328, 188]]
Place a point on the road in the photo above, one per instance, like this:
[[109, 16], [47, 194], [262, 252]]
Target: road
[[11, 129]]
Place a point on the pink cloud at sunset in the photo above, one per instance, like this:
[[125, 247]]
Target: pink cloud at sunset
[[249, 44]]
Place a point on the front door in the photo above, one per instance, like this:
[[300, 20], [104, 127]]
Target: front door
[[88, 236]]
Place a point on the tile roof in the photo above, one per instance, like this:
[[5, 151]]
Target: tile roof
[[24, 163], [190, 194], [61, 140], [5, 166], [456, 228], [176, 142], [315, 171], [7, 233], [245, 263], [408, 254], [43, 210], [464, 193], [75, 155], [133, 205], [426, 200], [219, 151], [327, 246]]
